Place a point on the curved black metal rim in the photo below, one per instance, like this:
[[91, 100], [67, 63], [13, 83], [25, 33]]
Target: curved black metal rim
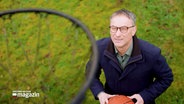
[[79, 97]]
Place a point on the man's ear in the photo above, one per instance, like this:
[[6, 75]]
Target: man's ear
[[134, 29]]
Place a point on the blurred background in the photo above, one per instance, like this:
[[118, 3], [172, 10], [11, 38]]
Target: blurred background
[[47, 54]]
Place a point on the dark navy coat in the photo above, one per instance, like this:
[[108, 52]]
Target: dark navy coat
[[146, 73]]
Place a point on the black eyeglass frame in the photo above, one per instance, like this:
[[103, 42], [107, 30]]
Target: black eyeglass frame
[[120, 28]]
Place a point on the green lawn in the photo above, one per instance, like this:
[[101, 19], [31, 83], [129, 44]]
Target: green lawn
[[56, 68]]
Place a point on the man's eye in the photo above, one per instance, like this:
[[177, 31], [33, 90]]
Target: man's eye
[[123, 28], [113, 27]]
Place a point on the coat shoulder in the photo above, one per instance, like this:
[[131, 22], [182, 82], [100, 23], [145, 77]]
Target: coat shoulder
[[149, 48], [103, 43]]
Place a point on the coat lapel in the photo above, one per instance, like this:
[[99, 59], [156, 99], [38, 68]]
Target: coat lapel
[[129, 68], [113, 61]]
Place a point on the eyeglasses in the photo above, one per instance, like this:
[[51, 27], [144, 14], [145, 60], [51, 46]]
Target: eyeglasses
[[122, 29]]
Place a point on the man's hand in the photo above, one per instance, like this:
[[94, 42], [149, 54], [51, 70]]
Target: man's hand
[[138, 98], [103, 97]]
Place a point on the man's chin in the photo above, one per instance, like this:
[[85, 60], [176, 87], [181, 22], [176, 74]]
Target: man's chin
[[119, 45]]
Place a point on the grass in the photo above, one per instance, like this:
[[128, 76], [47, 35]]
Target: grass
[[159, 22]]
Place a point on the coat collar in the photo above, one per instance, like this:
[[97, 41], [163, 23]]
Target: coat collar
[[135, 56], [135, 52]]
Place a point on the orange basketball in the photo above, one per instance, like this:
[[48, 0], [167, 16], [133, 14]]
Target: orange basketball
[[120, 99]]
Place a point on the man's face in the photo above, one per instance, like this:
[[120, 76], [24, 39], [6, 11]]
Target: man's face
[[120, 39]]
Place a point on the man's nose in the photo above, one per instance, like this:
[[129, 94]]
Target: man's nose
[[118, 32]]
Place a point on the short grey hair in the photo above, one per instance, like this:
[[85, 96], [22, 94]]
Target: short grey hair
[[126, 13]]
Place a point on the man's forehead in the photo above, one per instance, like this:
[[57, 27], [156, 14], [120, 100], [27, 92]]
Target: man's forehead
[[121, 20], [121, 16]]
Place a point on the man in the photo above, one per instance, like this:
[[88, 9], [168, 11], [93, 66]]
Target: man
[[132, 67]]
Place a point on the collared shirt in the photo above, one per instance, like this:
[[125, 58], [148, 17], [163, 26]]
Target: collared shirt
[[124, 59]]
